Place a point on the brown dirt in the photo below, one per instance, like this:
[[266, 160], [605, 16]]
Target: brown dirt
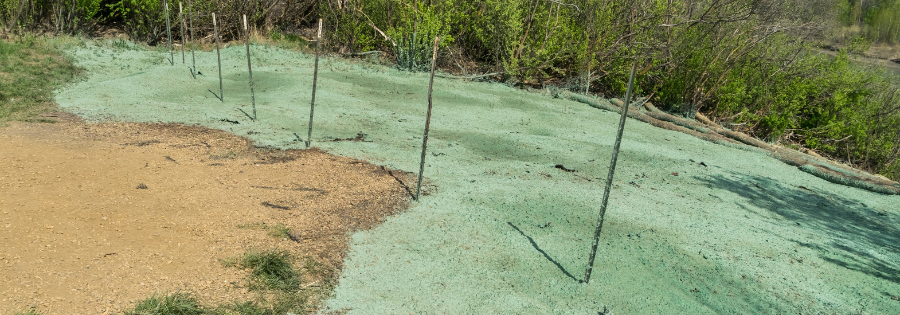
[[80, 237]]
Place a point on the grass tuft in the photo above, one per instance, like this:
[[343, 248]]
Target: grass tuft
[[276, 231], [170, 304], [271, 270], [283, 304], [279, 231]]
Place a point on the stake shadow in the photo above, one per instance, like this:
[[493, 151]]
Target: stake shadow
[[252, 118], [855, 229], [216, 95], [402, 184], [535, 245]]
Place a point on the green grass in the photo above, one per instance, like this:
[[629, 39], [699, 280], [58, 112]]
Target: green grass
[[282, 304], [271, 274], [169, 304], [279, 231], [28, 312], [30, 69], [271, 270]]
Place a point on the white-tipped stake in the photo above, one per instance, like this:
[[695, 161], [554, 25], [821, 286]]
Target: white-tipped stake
[[249, 68], [219, 55]]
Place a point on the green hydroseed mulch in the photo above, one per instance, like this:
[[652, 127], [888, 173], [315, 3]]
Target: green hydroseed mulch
[[515, 179]]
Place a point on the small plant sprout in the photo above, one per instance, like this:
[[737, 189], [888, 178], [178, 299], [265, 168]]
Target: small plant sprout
[[437, 40], [312, 102]]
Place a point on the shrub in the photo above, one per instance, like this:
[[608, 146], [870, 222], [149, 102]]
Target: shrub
[[144, 19], [65, 16]]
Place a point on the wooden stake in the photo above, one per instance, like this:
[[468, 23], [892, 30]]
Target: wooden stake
[[249, 68], [181, 16], [221, 96], [437, 40], [169, 33], [191, 20], [590, 59], [609, 177], [312, 102]]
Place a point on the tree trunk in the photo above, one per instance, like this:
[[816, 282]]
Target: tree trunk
[[528, 28], [16, 19]]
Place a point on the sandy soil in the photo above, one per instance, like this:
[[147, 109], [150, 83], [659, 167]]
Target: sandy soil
[[94, 217]]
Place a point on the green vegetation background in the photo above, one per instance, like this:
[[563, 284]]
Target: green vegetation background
[[877, 20], [750, 65]]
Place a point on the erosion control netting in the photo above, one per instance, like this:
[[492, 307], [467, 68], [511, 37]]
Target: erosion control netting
[[514, 180]]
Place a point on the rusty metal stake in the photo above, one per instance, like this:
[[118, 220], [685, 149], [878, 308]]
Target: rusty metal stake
[[437, 40], [249, 68], [312, 102], [609, 177], [181, 17]]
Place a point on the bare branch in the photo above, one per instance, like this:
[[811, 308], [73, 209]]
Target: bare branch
[[372, 24], [566, 4]]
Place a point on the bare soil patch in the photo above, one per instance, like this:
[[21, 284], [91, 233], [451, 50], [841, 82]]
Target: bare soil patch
[[94, 217]]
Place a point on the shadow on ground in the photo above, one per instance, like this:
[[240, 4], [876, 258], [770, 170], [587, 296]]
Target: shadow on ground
[[538, 248], [854, 226]]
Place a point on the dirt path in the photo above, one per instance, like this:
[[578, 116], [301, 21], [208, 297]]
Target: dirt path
[[96, 217]]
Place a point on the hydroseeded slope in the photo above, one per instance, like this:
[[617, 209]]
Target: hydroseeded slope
[[692, 227]]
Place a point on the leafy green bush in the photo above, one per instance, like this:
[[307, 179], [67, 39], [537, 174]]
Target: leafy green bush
[[878, 20], [409, 28], [144, 19], [64, 16], [828, 104]]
